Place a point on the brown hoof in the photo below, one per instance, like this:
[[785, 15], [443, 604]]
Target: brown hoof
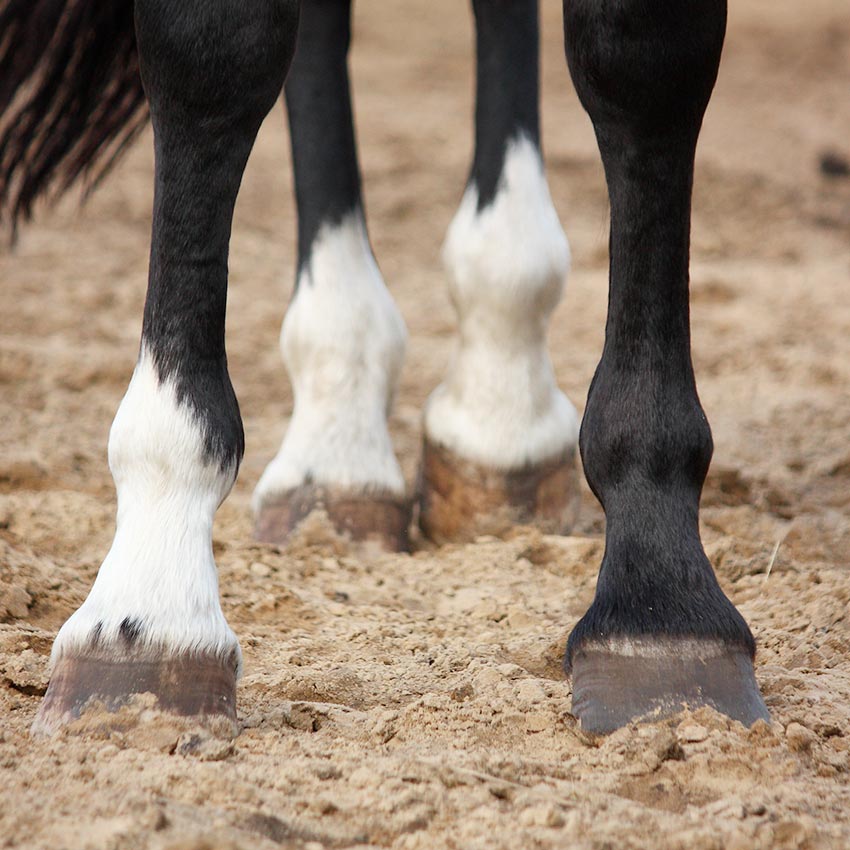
[[648, 680], [461, 500], [380, 517], [199, 686]]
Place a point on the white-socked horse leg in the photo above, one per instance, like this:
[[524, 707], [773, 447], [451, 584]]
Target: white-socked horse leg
[[500, 438], [152, 623], [343, 339]]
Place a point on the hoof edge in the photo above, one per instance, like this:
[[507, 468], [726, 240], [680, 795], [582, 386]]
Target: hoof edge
[[201, 685], [460, 500], [380, 517], [627, 681]]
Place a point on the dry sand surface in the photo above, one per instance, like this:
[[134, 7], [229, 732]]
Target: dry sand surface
[[416, 701]]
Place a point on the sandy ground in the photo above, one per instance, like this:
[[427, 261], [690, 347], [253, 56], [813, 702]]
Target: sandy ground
[[417, 701]]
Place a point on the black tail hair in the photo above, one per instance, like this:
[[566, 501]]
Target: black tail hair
[[71, 97]]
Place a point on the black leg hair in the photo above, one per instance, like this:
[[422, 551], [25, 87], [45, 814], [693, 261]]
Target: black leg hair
[[321, 123], [507, 48], [645, 74]]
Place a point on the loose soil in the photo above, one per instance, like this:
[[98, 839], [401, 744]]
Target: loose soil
[[417, 701]]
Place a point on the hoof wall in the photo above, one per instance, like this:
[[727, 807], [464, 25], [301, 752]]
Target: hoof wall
[[461, 500], [613, 686], [201, 686], [380, 517]]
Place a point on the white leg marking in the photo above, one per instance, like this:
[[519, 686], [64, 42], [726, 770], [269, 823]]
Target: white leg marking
[[343, 343], [159, 576], [499, 405]]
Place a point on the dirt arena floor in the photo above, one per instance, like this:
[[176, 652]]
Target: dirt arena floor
[[417, 701]]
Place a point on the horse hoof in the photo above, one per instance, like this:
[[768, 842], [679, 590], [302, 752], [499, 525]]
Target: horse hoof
[[633, 680], [461, 500], [200, 686], [383, 518]]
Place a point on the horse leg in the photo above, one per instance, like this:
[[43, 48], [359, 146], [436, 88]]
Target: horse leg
[[500, 438], [152, 622], [660, 633], [342, 339]]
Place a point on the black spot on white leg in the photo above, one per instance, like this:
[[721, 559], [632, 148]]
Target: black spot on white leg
[[660, 633], [130, 630], [343, 338], [500, 438], [152, 622]]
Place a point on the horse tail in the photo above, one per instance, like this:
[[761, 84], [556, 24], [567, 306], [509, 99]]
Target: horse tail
[[71, 97]]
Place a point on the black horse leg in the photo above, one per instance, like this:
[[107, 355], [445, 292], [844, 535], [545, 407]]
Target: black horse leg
[[660, 633]]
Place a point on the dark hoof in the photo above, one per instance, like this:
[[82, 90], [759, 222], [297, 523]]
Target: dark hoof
[[461, 500], [199, 686], [643, 680], [379, 517]]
